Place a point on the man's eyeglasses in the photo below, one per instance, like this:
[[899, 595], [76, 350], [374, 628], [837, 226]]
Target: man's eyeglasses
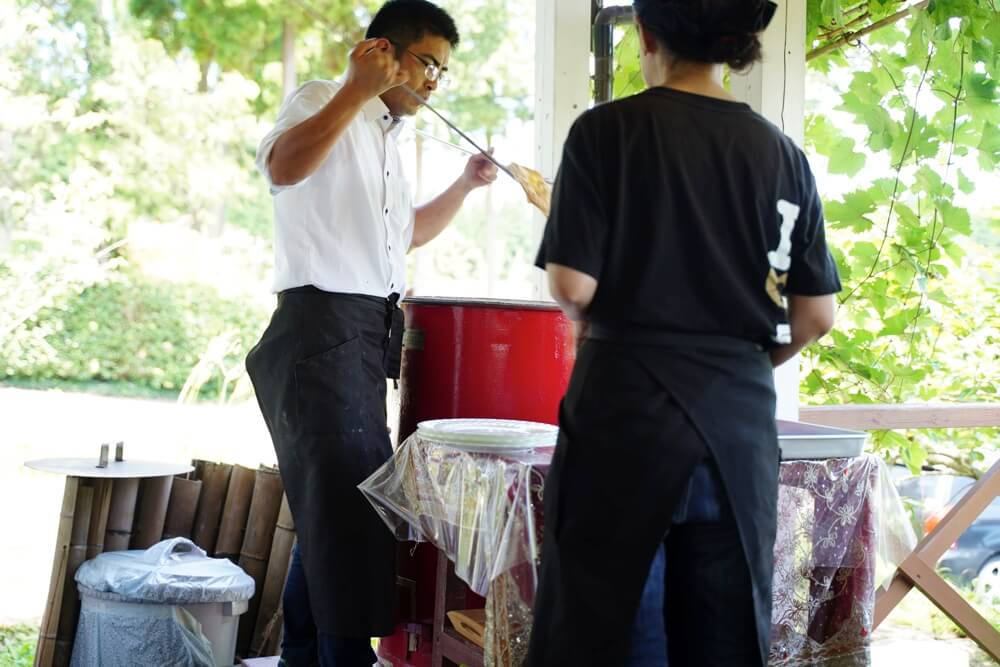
[[432, 70]]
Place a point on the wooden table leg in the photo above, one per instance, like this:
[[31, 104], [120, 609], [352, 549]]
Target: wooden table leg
[[440, 594], [449, 649]]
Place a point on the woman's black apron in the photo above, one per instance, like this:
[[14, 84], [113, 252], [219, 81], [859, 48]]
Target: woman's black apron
[[319, 372], [640, 412]]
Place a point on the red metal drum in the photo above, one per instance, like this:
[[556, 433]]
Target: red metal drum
[[471, 358], [483, 358]]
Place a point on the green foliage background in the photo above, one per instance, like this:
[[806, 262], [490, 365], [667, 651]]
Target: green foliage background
[[119, 118]]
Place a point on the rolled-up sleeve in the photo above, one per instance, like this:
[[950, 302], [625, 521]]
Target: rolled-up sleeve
[[302, 104], [577, 228]]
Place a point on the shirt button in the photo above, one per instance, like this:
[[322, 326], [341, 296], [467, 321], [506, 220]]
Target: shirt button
[[387, 174], [387, 211]]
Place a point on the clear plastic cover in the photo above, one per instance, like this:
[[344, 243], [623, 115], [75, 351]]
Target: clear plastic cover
[[842, 530], [478, 507], [174, 571]]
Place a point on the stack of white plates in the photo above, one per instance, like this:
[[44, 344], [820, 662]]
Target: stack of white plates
[[489, 435]]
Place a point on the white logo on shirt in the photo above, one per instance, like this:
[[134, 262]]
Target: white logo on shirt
[[779, 257]]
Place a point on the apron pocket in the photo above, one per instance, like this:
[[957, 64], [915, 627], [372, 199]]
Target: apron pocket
[[329, 394]]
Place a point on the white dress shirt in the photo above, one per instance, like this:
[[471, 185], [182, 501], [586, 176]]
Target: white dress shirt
[[346, 228]]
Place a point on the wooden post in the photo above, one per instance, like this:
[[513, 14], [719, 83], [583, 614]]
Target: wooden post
[[99, 517], [274, 583], [263, 515], [122, 513], [151, 512], [70, 612], [775, 88], [235, 512], [215, 484], [562, 88], [179, 520], [45, 650]]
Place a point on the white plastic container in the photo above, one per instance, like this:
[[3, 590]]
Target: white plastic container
[[170, 604]]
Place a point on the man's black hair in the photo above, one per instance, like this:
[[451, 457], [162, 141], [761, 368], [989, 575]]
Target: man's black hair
[[405, 22]]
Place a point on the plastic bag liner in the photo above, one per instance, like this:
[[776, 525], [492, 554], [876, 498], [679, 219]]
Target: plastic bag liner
[[470, 487], [120, 634], [132, 609], [174, 571]]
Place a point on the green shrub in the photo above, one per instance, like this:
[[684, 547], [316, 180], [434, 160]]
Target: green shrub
[[130, 330], [17, 646]]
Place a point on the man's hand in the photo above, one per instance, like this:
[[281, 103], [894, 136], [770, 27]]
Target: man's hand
[[479, 171], [373, 68]]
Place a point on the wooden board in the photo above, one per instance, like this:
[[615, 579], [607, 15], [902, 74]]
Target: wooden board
[[471, 624]]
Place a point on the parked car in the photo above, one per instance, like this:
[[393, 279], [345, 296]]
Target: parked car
[[974, 559]]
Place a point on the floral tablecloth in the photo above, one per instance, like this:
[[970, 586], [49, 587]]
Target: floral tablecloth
[[841, 532]]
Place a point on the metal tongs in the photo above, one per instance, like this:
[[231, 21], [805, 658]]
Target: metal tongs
[[535, 186], [447, 122]]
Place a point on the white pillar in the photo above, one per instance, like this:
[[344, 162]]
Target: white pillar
[[562, 86], [775, 88]]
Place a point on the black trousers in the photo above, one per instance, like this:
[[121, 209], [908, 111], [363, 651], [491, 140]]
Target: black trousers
[[698, 584], [319, 372]]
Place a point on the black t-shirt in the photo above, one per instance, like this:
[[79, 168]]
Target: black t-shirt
[[694, 214]]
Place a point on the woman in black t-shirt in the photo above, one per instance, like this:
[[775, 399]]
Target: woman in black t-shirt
[[686, 242]]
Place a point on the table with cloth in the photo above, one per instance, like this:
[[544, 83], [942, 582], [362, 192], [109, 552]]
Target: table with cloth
[[841, 532]]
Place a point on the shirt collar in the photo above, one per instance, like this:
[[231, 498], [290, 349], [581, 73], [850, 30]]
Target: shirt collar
[[376, 111]]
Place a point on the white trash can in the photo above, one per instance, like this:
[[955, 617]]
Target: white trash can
[[168, 605]]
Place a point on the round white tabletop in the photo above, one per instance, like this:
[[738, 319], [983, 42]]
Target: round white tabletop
[[87, 467]]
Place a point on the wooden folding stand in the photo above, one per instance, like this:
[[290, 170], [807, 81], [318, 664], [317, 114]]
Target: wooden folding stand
[[917, 570]]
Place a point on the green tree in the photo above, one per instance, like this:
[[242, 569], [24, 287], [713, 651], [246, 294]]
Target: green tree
[[306, 38], [89, 155]]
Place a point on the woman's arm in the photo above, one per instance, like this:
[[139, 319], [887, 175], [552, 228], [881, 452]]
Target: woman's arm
[[573, 290], [810, 318]]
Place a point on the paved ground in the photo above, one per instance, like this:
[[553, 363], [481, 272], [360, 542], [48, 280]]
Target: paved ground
[[894, 646]]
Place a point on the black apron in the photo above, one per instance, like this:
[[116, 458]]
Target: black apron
[[319, 372], [640, 412]]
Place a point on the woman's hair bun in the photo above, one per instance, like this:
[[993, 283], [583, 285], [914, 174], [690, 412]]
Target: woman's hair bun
[[712, 31]]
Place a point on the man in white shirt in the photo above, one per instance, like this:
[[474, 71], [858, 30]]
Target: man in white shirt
[[343, 223]]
